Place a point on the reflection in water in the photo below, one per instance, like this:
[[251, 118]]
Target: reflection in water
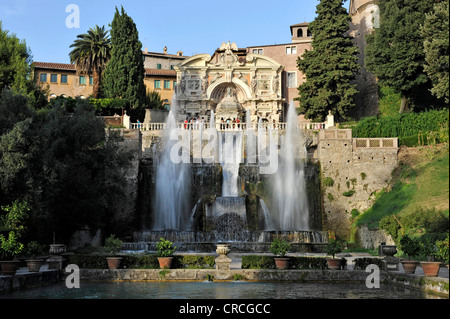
[[217, 290]]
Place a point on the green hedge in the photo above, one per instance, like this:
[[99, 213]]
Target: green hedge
[[149, 261], [362, 263], [108, 106], [401, 125], [267, 262]]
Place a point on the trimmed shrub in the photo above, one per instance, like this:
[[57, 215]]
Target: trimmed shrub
[[267, 262], [146, 261], [362, 263]]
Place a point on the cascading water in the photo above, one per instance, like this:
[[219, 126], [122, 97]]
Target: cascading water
[[173, 181], [230, 158], [290, 200]]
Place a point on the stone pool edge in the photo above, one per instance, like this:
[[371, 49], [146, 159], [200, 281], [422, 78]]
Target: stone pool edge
[[434, 285]]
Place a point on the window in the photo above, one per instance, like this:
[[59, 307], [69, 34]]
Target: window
[[91, 80], [166, 84], [63, 78], [157, 84], [171, 67], [291, 79], [174, 84], [53, 78], [82, 80], [257, 51], [291, 50], [43, 77], [158, 66]]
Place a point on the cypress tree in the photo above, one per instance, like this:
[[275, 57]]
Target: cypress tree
[[124, 74], [395, 51], [331, 66]]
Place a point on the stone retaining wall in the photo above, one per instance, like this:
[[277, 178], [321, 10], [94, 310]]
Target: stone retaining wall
[[28, 280]]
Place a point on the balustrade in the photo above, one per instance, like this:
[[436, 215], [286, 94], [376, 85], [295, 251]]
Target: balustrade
[[225, 126]]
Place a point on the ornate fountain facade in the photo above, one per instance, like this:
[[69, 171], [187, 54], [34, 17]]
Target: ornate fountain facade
[[232, 165], [230, 83]]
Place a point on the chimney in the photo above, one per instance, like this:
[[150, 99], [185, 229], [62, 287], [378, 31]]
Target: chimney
[[146, 50], [180, 53], [165, 50]]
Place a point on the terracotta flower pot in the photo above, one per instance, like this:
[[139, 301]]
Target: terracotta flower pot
[[333, 263], [9, 267], [282, 262], [431, 268], [409, 266], [34, 264], [165, 262], [114, 262]]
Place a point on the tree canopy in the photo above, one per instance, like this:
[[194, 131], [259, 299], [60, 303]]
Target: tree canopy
[[395, 51], [64, 164], [331, 66], [15, 60], [91, 53], [436, 47], [124, 74]]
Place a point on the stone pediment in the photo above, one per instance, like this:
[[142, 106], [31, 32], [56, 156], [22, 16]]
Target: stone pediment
[[228, 58]]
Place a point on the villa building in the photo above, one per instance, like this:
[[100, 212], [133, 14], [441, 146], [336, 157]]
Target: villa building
[[287, 55], [63, 79]]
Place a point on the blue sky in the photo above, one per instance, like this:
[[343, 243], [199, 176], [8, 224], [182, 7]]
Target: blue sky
[[194, 26]]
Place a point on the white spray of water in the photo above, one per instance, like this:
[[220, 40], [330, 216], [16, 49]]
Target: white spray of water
[[290, 196], [230, 158], [172, 183]]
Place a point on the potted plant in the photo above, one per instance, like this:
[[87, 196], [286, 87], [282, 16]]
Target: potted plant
[[10, 248], [442, 251], [34, 249], [333, 247], [430, 268], [411, 247], [280, 247], [113, 246], [165, 250]]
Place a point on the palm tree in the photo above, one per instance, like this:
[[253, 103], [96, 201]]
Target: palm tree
[[91, 53]]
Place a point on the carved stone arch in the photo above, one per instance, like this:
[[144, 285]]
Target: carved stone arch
[[217, 90]]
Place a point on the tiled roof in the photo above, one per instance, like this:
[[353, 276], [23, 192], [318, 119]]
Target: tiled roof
[[71, 67], [160, 72], [165, 55], [55, 66]]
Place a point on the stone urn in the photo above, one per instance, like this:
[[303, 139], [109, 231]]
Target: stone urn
[[391, 262], [223, 249], [57, 249], [389, 250], [223, 262], [56, 260]]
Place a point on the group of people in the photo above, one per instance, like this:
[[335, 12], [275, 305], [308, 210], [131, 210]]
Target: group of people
[[194, 122], [230, 123]]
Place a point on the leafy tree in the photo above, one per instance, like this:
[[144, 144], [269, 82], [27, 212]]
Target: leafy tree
[[91, 52], [331, 65], [436, 48], [395, 51], [65, 165], [15, 60], [124, 74]]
